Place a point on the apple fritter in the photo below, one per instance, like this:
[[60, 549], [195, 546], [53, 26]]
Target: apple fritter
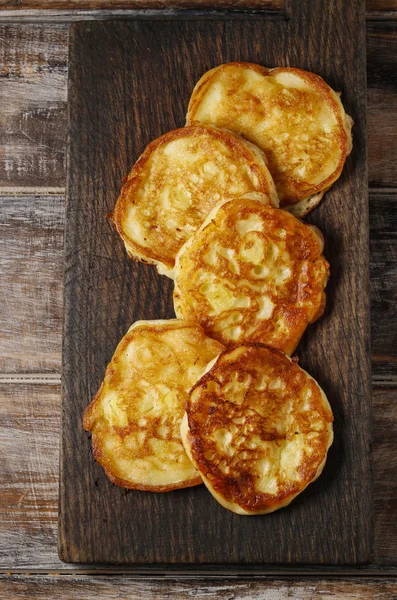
[[252, 273], [136, 415], [257, 427], [291, 114], [176, 182]]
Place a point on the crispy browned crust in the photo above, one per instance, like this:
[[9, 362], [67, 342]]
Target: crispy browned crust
[[93, 419], [210, 408], [298, 301], [128, 195], [298, 191]]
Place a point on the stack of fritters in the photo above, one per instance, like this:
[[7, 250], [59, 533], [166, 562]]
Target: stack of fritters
[[213, 396], [179, 178], [292, 115]]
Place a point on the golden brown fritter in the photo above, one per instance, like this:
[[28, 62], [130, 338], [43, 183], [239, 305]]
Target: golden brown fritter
[[291, 114], [136, 415], [252, 273], [176, 182], [257, 428]]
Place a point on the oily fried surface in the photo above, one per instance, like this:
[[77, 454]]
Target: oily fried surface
[[257, 428], [252, 273], [177, 181], [136, 415], [291, 114]]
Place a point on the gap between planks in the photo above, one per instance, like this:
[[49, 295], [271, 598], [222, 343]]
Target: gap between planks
[[158, 574], [373, 191], [60, 191], [45, 16], [32, 191], [38, 378], [376, 11], [70, 16], [56, 379]]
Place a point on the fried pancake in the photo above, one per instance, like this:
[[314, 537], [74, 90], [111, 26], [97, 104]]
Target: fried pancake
[[252, 273], [136, 415], [291, 114], [176, 182], [257, 428]]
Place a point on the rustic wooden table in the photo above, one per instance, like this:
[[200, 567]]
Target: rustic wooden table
[[33, 86]]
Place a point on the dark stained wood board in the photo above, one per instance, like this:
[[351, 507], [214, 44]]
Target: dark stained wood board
[[128, 83]]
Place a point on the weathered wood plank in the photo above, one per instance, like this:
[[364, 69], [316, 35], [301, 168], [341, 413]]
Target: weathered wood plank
[[85, 587], [384, 415], [23, 5], [31, 258], [383, 269], [31, 248], [139, 4], [29, 442], [381, 5], [29, 417], [382, 103], [33, 70], [66, 16], [62, 16]]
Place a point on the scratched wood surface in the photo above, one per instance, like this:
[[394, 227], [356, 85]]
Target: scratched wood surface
[[272, 5], [31, 247], [126, 588], [33, 62]]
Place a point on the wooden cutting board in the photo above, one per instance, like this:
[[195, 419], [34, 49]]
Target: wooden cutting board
[[129, 82]]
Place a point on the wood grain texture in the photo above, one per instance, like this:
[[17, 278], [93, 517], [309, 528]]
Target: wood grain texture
[[33, 82], [62, 16], [382, 103], [33, 69], [29, 417], [31, 259], [381, 5], [19, 587], [271, 5], [29, 442], [383, 244], [22, 5], [385, 467], [96, 274]]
